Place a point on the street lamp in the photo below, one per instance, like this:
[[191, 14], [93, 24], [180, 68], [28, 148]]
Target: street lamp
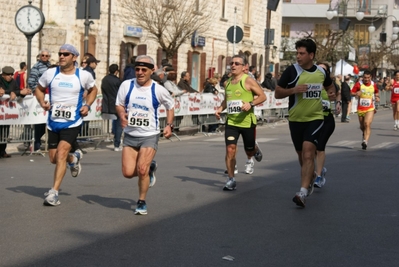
[[331, 13], [395, 29]]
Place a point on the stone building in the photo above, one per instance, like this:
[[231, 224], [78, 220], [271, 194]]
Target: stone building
[[113, 40]]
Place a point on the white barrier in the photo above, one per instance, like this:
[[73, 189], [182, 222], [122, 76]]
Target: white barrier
[[28, 111]]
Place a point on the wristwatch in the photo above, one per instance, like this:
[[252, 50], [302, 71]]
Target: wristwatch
[[88, 106], [252, 104], [170, 125]]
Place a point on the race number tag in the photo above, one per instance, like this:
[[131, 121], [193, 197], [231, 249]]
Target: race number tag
[[314, 91], [396, 90], [365, 102], [234, 106], [63, 111], [138, 118], [326, 104]]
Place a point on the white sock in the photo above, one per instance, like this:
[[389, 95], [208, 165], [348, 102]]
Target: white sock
[[304, 190], [74, 158]]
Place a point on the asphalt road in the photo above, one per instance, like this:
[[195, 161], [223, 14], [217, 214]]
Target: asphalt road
[[352, 221]]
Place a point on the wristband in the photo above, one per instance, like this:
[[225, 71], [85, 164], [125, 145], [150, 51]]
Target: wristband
[[88, 106]]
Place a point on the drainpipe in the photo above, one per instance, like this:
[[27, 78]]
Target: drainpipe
[[109, 35]]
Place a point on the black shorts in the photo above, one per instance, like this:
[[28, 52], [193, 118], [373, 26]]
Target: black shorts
[[232, 133], [305, 131], [68, 135], [326, 131]]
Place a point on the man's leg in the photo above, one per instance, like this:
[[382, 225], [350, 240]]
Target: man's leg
[[344, 111], [117, 132], [307, 169], [59, 157], [231, 162], [367, 120]]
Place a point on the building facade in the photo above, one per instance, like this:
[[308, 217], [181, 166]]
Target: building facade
[[112, 39], [359, 42]]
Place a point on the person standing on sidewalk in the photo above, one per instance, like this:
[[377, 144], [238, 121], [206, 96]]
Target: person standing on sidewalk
[[137, 105], [109, 88], [345, 98], [66, 111], [367, 92], [8, 86], [241, 120], [35, 73], [303, 82]]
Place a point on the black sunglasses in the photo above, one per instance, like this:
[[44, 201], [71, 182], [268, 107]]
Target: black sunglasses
[[235, 63], [65, 54]]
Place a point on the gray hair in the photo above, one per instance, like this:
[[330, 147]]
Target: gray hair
[[158, 71], [45, 50], [139, 58]]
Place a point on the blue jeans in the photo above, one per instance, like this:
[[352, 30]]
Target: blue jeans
[[117, 131]]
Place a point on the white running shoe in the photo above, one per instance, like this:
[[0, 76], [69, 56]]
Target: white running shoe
[[76, 168], [51, 198], [258, 155], [249, 167]]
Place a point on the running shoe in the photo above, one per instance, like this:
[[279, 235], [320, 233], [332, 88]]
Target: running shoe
[[76, 168], [323, 176], [364, 145], [258, 155], [311, 186], [153, 169], [51, 198], [235, 170], [230, 185], [395, 127], [249, 167], [141, 208], [299, 199], [317, 182]]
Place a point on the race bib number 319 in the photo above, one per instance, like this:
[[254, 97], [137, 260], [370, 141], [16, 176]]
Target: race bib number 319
[[61, 111], [314, 91]]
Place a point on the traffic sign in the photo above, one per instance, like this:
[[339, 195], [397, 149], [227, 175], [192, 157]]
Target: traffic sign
[[239, 34]]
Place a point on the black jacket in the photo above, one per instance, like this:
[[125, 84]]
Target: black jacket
[[9, 87], [184, 85], [129, 72], [345, 92], [109, 88]]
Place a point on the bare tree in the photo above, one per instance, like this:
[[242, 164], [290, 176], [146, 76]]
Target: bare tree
[[169, 22]]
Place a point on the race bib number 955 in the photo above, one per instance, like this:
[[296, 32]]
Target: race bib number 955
[[138, 118], [314, 91]]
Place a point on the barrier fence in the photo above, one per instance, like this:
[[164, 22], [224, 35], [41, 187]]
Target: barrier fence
[[195, 111]]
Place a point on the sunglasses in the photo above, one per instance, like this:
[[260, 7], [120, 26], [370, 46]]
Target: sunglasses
[[235, 63], [144, 70], [65, 54], [45, 55]]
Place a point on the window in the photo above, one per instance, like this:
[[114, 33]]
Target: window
[[321, 30], [285, 30], [223, 9], [247, 11], [361, 35]]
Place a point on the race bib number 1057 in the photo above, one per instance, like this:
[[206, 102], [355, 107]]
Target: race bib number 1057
[[314, 91]]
